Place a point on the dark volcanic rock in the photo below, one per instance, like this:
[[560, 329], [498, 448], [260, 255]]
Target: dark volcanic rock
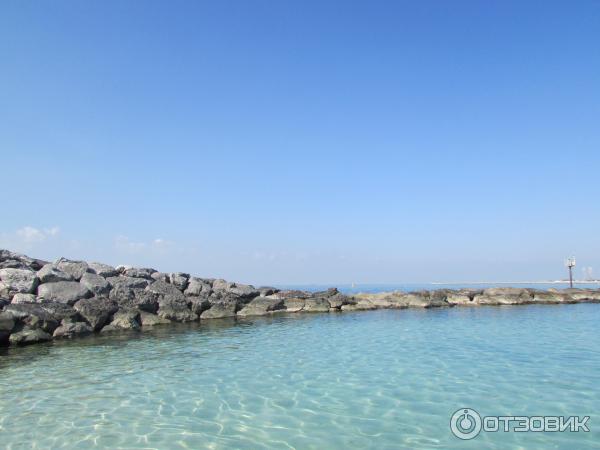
[[63, 292], [135, 298], [97, 311], [33, 315], [61, 311]]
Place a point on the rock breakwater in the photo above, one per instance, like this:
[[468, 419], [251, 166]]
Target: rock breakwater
[[41, 301]]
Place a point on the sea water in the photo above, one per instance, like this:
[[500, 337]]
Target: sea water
[[386, 379]]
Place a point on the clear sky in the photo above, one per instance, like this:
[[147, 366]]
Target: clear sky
[[304, 141]]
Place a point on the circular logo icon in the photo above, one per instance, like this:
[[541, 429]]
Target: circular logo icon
[[465, 423]]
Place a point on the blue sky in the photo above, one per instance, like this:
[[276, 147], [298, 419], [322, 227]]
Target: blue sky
[[304, 142]]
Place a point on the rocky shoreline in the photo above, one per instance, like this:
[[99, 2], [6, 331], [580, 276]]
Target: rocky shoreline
[[41, 301]]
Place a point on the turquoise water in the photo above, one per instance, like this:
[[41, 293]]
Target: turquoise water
[[379, 379]]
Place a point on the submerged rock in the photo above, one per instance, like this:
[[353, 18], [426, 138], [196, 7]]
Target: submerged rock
[[29, 336]]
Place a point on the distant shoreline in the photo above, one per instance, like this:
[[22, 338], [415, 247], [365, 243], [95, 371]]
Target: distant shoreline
[[518, 282]]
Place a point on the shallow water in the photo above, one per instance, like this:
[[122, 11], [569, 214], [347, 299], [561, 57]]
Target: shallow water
[[379, 379]]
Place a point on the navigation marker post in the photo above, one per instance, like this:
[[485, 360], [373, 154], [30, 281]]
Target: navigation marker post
[[570, 263]]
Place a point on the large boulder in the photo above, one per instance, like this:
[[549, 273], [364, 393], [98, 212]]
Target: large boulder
[[261, 306], [198, 286], [128, 282], [135, 299], [424, 299], [163, 288], [33, 315], [72, 329], [104, 270], [583, 295], [11, 260], [63, 292], [265, 291], [97, 311], [95, 283], [176, 311], [551, 297], [317, 304], [224, 307], [61, 311], [128, 319], [463, 297], [504, 296], [379, 300], [365, 304], [7, 323], [244, 291], [135, 272], [23, 298], [149, 320], [74, 268], [17, 281], [50, 274], [160, 276], [221, 285], [198, 304], [29, 336], [292, 304], [291, 293], [336, 301], [179, 280]]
